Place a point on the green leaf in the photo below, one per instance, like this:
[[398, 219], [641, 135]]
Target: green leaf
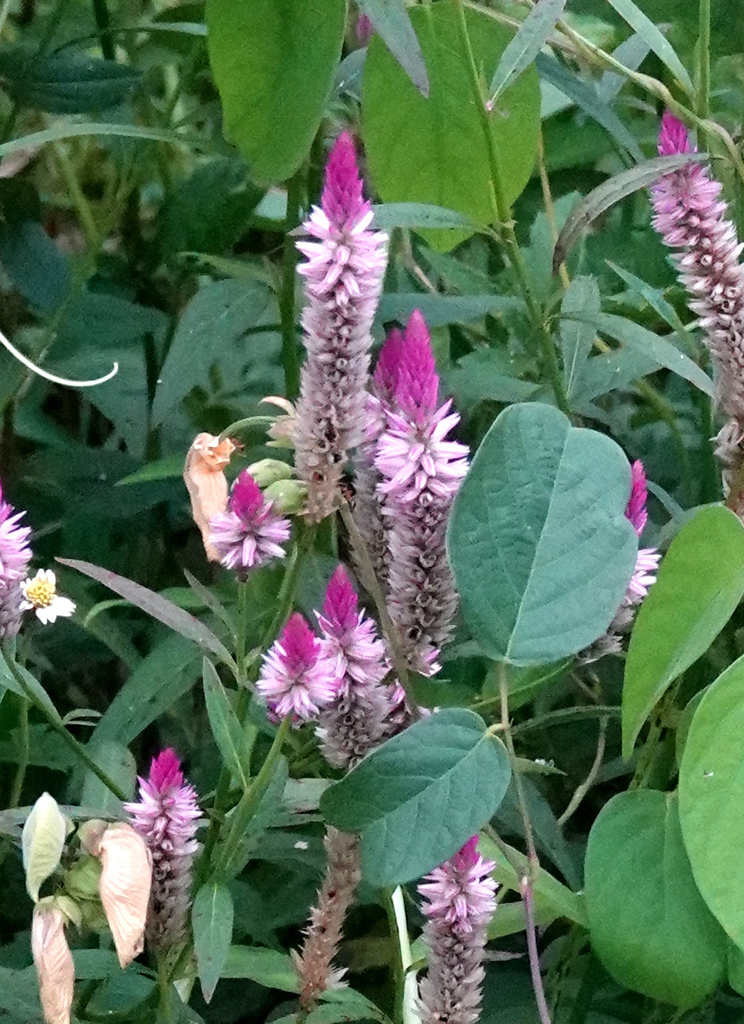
[[420, 796], [655, 298], [214, 322], [162, 469], [526, 44], [155, 605], [439, 310], [418, 215], [700, 583], [345, 1004], [64, 82], [647, 921], [118, 762], [212, 921], [42, 840], [484, 375], [611, 192], [233, 743], [656, 42], [72, 130], [390, 19], [273, 63], [538, 540], [711, 790], [267, 967], [445, 158], [35, 264], [577, 338]]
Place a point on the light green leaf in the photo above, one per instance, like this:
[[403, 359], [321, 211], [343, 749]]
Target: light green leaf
[[267, 967], [420, 796], [647, 921], [700, 583], [445, 158], [656, 42], [117, 761], [538, 540], [390, 19], [524, 47], [439, 310], [577, 338], [42, 842], [212, 921], [418, 215], [273, 63]]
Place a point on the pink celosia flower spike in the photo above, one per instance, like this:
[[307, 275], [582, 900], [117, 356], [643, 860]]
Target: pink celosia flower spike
[[459, 902], [343, 278], [353, 723], [250, 533], [421, 473], [644, 574], [691, 219], [295, 680], [15, 556], [166, 816]]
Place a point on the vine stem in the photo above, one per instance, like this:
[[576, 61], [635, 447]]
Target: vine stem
[[503, 215], [587, 784], [372, 585], [290, 359], [77, 748], [533, 864]]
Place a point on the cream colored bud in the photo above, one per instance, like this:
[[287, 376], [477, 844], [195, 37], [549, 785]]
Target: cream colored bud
[[126, 880], [268, 471], [90, 833], [53, 961], [282, 429], [42, 841], [289, 496], [206, 483]]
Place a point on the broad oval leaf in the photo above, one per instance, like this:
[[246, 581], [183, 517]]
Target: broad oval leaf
[[273, 63], [390, 18], [433, 150], [212, 921], [700, 583], [421, 795], [612, 191], [42, 842], [648, 923], [538, 540], [711, 796]]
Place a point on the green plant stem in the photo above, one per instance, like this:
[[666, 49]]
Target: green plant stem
[[249, 801], [290, 356], [372, 585], [503, 215], [250, 421], [20, 775], [405, 979], [567, 715], [702, 104], [84, 212], [103, 24], [75, 746]]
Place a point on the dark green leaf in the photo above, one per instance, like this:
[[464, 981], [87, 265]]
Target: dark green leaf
[[65, 82], [212, 921], [442, 309], [647, 921], [655, 41], [538, 540], [418, 215], [35, 265], [117, 761], [421, 795], [273, 63], [700, 583], [577, 338], [232, 740]]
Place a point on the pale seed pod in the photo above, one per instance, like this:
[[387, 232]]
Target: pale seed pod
[[42, 842], [126, 880], [206, 483], [268, 471], [54, 964]]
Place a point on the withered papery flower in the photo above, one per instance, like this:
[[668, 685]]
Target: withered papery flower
[[125, 885], [204, 476], [314, 963], [53, 961]]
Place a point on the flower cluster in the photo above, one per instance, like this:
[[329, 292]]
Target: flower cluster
[[15, 556], [166, 816], [250, 532], [295, 680], [459, 901], [692, 220], [343, 279]]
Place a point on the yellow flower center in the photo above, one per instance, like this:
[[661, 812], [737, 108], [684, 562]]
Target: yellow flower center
[[41, 593]]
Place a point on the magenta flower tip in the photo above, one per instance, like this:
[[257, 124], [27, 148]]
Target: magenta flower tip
[[636, 508], [295, 680], [341, 604], [673, 137], [299, 642], [342, 198], [461, 892], [246, 497], [417, 382], [388, 362], [165, 771]]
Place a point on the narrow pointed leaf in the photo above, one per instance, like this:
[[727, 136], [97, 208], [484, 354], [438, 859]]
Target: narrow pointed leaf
[[582, 296], [212, 921], [391, 22], [232, 741], [655, 40], [526, 44]]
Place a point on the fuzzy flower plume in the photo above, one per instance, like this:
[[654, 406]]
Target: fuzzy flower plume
[[459, 902], [15, 555], [691, 218], [421, 471], [343, 279], [314, 963], [353, 723], [166, 816], [250, 533], [644, 574], [295, 679]]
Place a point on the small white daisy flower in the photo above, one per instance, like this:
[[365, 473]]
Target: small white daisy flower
[[40, 595]]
